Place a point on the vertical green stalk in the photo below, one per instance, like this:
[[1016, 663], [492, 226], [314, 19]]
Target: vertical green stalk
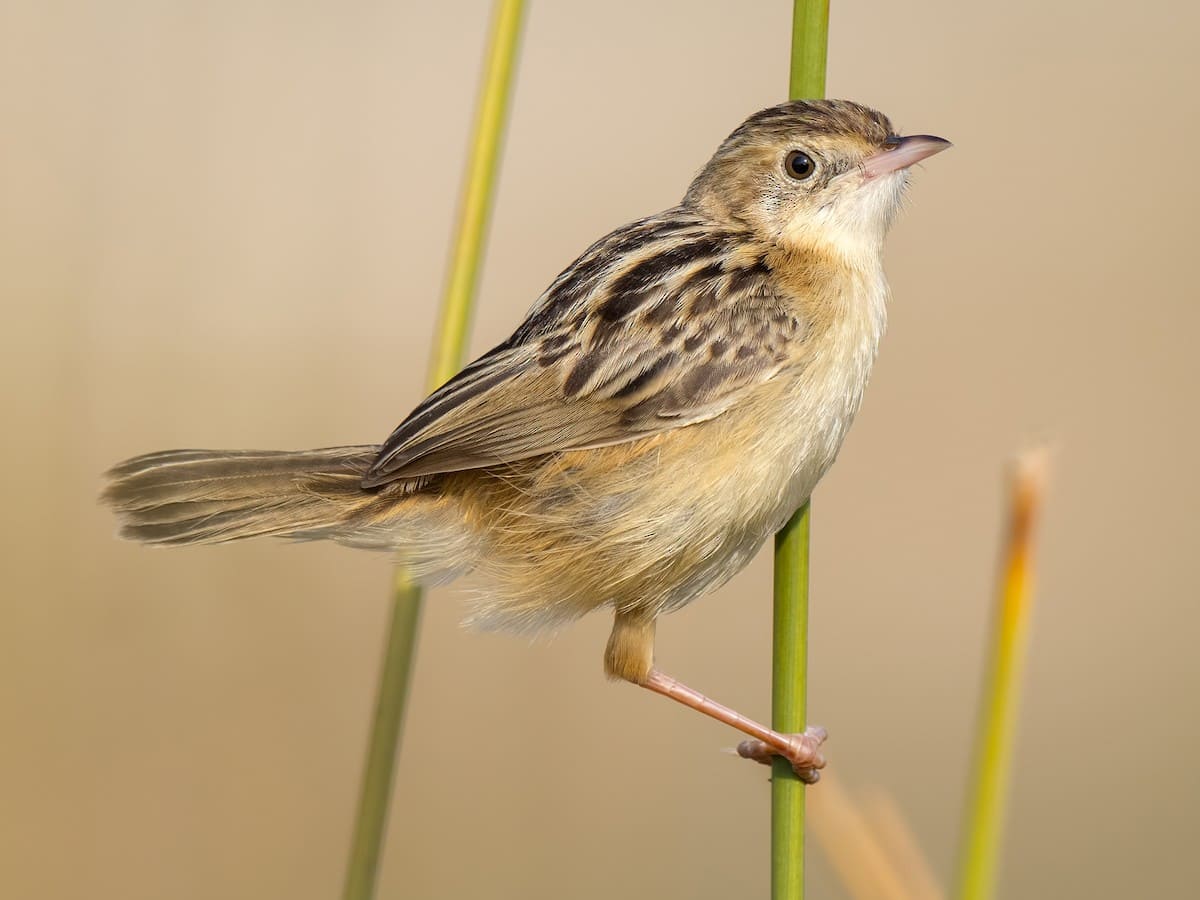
[[810, 47], [788, 701], [449, 350], [980, 853], [810, 42]]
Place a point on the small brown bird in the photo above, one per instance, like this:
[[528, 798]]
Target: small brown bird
[[673, 396]]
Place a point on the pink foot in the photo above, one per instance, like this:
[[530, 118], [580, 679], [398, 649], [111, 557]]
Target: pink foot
[[803, 751]]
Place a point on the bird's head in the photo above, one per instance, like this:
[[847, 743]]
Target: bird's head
[[826, 174]]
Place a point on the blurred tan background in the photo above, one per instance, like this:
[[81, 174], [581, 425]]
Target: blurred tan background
[[224, 224]]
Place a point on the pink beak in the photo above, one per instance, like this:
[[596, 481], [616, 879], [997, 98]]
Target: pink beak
[[902, 152]]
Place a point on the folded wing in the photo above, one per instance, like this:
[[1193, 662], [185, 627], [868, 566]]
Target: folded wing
[[661, 324]]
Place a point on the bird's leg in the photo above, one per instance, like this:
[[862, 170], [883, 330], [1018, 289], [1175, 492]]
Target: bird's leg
[[803, 751], [630, 656]]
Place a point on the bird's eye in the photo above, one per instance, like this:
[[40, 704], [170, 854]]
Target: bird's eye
[[799, 165]]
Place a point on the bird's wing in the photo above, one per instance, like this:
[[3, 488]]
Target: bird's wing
[[663, 323]]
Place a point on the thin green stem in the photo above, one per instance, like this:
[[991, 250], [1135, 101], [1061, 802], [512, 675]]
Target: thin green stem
[[984, 822], [363, 867], [810, 47], [449, 349], [810, 41], [788, 701]]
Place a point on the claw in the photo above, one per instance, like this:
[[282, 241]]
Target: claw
[[803, 751]]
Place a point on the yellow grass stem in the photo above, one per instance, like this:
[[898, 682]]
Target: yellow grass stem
[[980, 853], [789, 675], [449, 350], [869, 845]]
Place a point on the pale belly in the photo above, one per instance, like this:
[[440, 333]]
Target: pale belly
[[651, 525]]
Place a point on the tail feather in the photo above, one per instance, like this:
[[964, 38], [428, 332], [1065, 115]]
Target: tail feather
[[212, 496]]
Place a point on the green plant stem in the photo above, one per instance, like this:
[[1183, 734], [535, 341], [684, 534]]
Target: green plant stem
[[788, 700], [363, 867], [810, 46], [789, 675], [449, 350], [986, 800]]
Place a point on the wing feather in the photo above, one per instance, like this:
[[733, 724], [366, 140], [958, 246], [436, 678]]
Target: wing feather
[[661, 324]]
